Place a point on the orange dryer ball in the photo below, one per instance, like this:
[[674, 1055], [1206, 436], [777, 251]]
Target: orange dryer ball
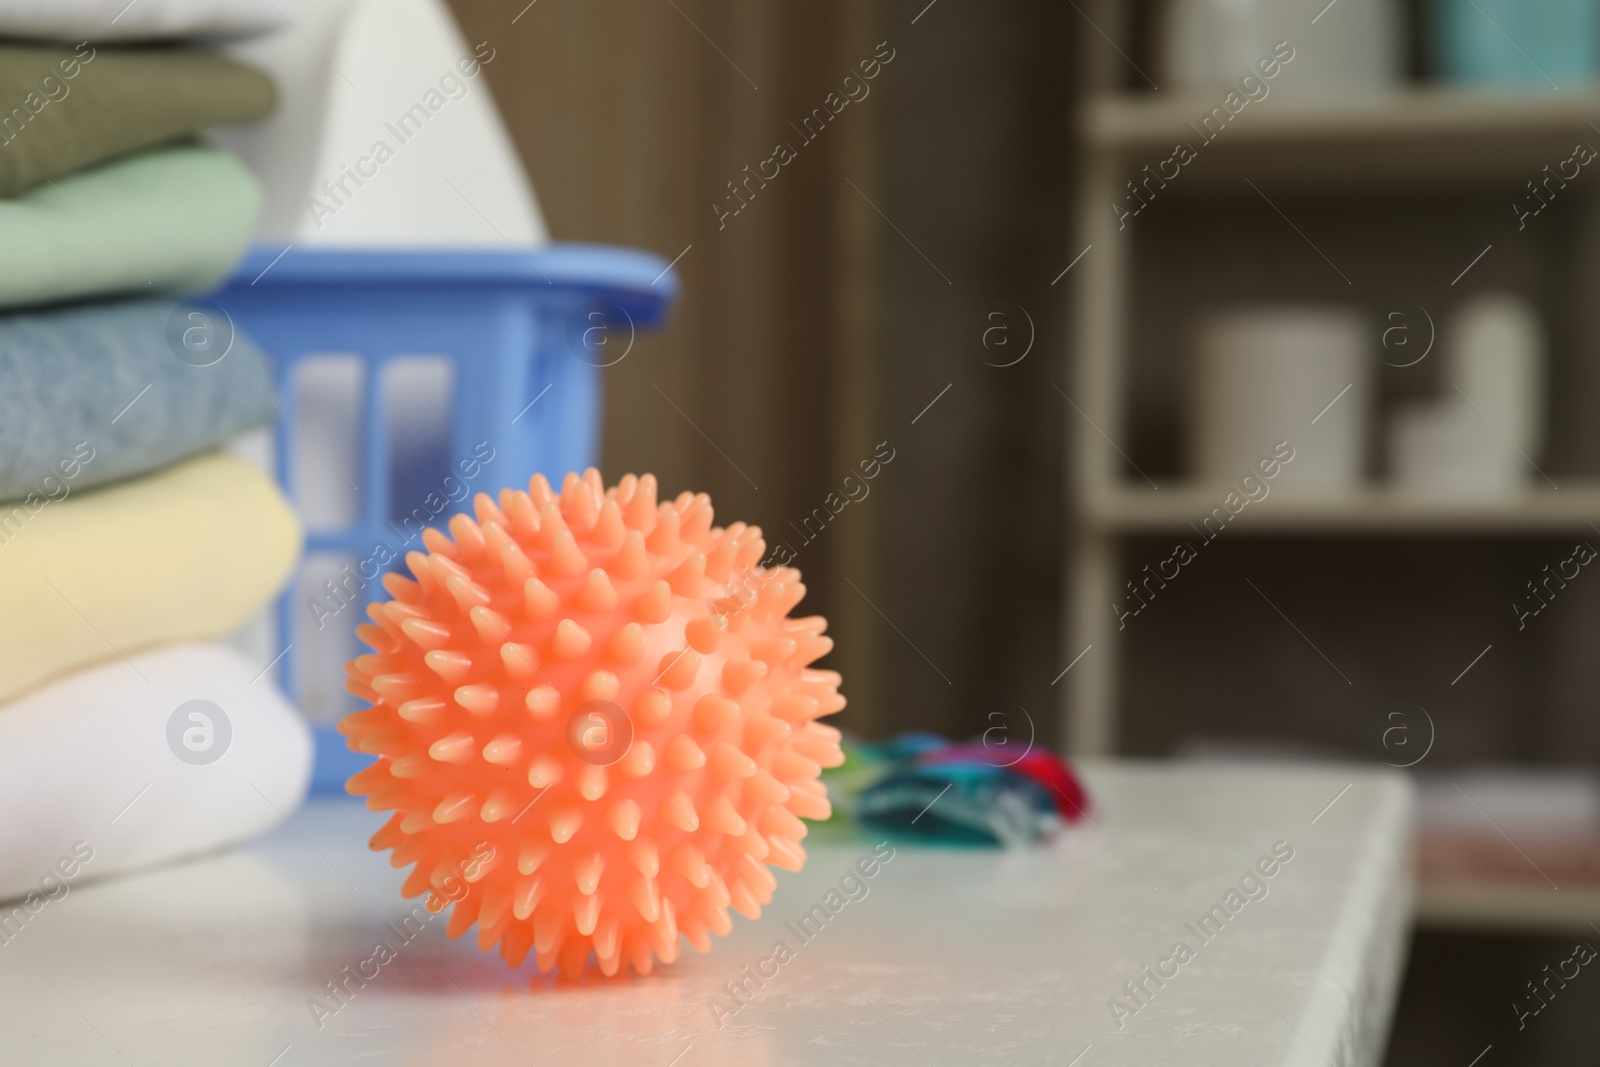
[[593, 720]]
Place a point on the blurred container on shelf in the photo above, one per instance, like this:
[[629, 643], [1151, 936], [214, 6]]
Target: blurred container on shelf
[[1533, 43], [1482, 434], [1444, 448], [1269, 375], [1495, 357], [1509, 824], [1356, 47]]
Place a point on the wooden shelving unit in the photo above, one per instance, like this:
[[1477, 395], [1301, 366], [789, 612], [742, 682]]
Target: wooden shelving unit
[[1394, 140], [1407, 143], [1575, 509], [1376, 138], [1508, 908]]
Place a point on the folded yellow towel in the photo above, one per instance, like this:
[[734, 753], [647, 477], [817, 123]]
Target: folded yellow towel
[[190, 552]]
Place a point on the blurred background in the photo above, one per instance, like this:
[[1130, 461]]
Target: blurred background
[[1125, 251], [1157, 379], [853, 289]]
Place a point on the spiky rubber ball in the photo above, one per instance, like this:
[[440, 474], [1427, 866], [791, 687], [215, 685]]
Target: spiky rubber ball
[[594, 718]]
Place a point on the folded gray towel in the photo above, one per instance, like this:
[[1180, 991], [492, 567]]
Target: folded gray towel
[[94, 393]]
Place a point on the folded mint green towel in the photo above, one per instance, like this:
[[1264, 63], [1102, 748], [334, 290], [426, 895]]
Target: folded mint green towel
[[96, 393], [174, 220]]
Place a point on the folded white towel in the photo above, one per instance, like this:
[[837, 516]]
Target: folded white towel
[[136, 761], [140, 20]]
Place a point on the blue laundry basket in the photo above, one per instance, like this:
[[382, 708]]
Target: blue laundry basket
[[527, 334]]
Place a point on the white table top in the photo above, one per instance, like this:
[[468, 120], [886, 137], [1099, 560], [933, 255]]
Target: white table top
[[954, 957]]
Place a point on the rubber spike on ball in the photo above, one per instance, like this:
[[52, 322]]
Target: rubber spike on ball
[[593, 717]]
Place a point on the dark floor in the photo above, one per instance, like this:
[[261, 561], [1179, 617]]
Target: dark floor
[[1463, 993]]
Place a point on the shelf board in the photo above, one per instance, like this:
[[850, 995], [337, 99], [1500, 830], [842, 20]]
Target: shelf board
[[1508, 906], [1372, 512], [1443, 136]]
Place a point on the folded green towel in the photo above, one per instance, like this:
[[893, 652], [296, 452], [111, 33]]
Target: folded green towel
[[92, 394], [173, 220], [63, 109], [151, 20]]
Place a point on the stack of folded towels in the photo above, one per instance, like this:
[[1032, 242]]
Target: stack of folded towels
[[130, 546]]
